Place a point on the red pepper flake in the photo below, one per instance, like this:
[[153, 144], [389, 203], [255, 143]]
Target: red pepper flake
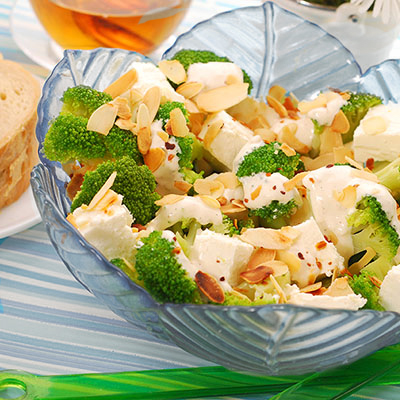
[[329, 166], [319, 291], [222, 279], [308, 264], [218, 261], [139, 227], [312, 180], [235, 223], [370, 163], [327, 239], [330, 263], [246, 200], [319, 264], [274, 187], [268, 174], [282, 192], [170, 157], [321, 245], [169, 146], [300, 255], [176, 250]]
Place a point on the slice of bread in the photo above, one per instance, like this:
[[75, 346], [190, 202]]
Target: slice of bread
[[19, 95]]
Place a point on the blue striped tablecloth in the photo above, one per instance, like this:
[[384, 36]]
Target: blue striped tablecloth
[[49, 324]]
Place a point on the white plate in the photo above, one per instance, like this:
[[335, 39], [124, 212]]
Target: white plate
[[19, 216]]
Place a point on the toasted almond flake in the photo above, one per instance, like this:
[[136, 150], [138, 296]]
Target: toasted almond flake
[[192, 107], [210, 201], [163, 135], [321, 245], [266, 134], [212, 132], [288, 150], [306, 106], [178, 123], [369, 176], [203, 186], [277, 106], [354, 163], [173, 70], [295, 181], [103, 190], [279, 267], [102, 119], [143, 117], [124, 111], [257, 274], [221, 98], [144, 140], [288, 133], [209, 287], [230, 208], [238, 203], [182, 186], [125, 124], [154, 158], [169, 199], [340, 154], [189, 89], [339, 287], [277, 92], [356, 267], [347, 197], [260, 256], [222, 201], [152, 99], [374, 125], [345, 95], [281, 293], [311, 288], [329, 140], [134, 97], [290, 231], [109, 198], [228, 179], [340, 123], [217, 189], [267, 238], [255, 193], [71, 219], [290, 259], [122, 84]]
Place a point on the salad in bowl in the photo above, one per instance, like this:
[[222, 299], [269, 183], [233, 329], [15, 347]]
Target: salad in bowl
[[252, 223]]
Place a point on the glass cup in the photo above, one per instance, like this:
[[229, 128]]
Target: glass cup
[[139, 25]]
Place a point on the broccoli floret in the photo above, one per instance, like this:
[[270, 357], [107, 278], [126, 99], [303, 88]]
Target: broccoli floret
[[362, 284], [162, 274], [269, 159], [372, 228], [232, 227], [128, 268], [83, 100], [389, 176], [163, 113], [188, 57], [68, 139], [120, 143], [355, 109], [135, 183], [275, 210]]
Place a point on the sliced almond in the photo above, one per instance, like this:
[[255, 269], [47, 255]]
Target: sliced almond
[[318, 162], [152, 99], [212, 132], [277, 92], [257, 274], [339, 287], [231, 208], [297, 180], [196, 122], [173, 70], [109, 198], [125, 124], [369, 176], [135, 97], [329, 140], [124, 111], [277, 106], [203, 186], [178, 123], [288, 150], [290, 259], [154, 158], [260, 256], [311, 288], [122, 84], [354, 163], [210, 287], [169, 199], [71, 219], [102, 119], [210, 201], [347, 197], [182, 186], [340, 154], [103, 190], [144, 140], [143, 117], [228, 179], [221, 98], [279, 268], [374, 125], [192, 107], [288, 136], [281, 293], [266, 134], [267, 238], [356, 267], [340, 123], [306, 106], [163, 136], [189, 89]]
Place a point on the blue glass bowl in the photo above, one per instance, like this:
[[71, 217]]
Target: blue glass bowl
[[274, 46]]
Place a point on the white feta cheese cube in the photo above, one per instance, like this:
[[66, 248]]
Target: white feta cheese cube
[[378, 135], [389, 291]]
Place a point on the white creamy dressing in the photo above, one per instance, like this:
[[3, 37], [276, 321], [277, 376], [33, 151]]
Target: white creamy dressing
[[168, 172], [325, 115], [108, 230], [234, 194], [331, 215], [213, 74], [304, 132], [271, 189], [188, 207], [150, 75]]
